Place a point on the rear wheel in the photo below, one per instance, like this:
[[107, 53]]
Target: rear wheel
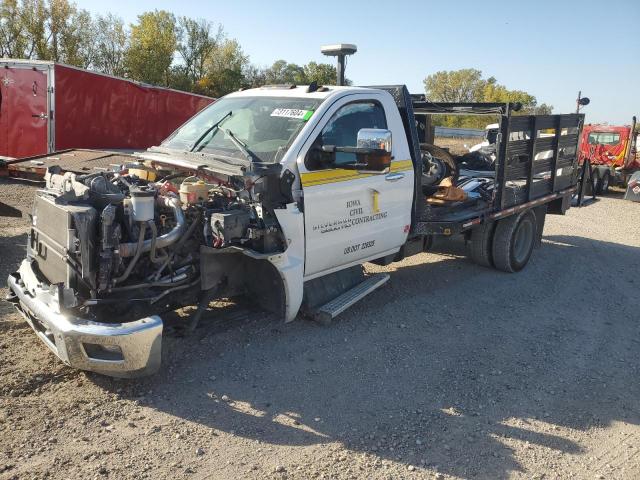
[[481, 244], [513, 242]]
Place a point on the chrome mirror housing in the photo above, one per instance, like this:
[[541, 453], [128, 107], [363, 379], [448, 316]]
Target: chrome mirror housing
[[375, 138]]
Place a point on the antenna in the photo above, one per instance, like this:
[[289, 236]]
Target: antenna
[[340, 50]]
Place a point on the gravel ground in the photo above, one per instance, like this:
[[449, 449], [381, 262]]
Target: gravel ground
[[449, 371]]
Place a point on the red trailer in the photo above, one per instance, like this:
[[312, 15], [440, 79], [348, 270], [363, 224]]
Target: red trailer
[[47, 107]]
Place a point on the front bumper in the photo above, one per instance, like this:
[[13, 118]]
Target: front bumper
[[126, 350]]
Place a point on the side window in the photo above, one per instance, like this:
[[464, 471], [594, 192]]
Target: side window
[[343, 127]]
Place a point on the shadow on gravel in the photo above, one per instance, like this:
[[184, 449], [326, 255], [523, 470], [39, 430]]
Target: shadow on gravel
[[12, 251], [450, 366]]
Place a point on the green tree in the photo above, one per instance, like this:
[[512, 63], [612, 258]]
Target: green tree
[[224, 70], [13, 38], [198, 40], [152, 44], [282, 72], [110, 43], [464, 85], [322, 73], [34, 16], [77, 39], [254, 76], [468, 85]]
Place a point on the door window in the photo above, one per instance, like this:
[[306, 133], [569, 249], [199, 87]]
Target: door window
[[342, 131]]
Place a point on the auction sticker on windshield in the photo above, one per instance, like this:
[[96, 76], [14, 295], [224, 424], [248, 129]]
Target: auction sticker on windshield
[[292, 113]]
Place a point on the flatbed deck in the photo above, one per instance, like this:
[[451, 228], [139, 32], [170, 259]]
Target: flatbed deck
[[536, 163]]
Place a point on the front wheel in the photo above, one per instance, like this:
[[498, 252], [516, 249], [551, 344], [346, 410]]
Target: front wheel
[[513, 242]]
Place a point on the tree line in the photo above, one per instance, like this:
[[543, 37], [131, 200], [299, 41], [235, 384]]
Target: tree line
[[469, 85], [197, 55], [160, 48]]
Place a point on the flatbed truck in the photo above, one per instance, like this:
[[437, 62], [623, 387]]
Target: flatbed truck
[[280, 194]]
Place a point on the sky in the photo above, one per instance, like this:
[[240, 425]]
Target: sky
[[551, 49]]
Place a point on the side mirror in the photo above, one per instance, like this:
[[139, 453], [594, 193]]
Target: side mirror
[[375, 138], [373, 151]]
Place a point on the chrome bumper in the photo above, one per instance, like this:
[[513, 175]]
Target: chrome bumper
[[126, 350]]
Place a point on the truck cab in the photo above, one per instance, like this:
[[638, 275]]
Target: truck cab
[[347, 207], [612, 153]]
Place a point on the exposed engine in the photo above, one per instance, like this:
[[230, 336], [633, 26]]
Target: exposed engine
[[117, 245]]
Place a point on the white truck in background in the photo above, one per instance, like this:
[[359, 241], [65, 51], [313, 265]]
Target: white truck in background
[[276, 193], [491, 132]]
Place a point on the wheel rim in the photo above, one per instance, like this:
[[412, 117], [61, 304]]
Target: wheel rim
[[523, 241], [436, 171]]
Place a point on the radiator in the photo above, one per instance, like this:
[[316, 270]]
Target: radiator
[[62, 241]]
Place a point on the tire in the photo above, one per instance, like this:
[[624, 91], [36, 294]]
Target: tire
[[602, 187], [446, 163], [481, 244], [513, 242]]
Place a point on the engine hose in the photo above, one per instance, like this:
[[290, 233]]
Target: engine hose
[[149, 285], [129, 249], [106, 301], [134, 260], [152, 253], [181, 241]]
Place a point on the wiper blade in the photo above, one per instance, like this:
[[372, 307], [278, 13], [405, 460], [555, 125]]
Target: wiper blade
[[210, 129], [241, 146]]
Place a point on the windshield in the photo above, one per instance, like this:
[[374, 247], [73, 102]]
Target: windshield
[[604, 138], [265, 126]]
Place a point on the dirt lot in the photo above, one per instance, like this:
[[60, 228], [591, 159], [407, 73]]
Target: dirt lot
[[449, 371]]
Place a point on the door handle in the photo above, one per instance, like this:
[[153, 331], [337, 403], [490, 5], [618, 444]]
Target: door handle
[[393, 177]]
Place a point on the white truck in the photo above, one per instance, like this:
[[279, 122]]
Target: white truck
[[490, 136], [280, 194]]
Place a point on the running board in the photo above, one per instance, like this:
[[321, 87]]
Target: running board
[[335, 307]]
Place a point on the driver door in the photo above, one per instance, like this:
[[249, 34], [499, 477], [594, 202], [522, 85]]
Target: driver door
[[351, 216]]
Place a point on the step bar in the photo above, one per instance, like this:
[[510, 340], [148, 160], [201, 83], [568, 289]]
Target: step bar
[[335, 307]]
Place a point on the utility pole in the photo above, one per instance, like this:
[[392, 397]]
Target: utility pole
[[578, 101]]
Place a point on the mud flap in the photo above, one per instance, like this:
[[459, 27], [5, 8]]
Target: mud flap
[[540, 214]]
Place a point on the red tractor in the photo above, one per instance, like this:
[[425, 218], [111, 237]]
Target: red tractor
[[612, 152]]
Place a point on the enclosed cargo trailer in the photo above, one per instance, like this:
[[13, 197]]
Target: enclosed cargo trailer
[[47, 107]]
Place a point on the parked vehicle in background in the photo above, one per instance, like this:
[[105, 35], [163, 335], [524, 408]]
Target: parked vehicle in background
[[612, 151], [47, 107], [490, 136]]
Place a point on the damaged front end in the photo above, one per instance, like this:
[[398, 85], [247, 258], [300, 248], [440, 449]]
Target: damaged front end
[[109, 252]]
